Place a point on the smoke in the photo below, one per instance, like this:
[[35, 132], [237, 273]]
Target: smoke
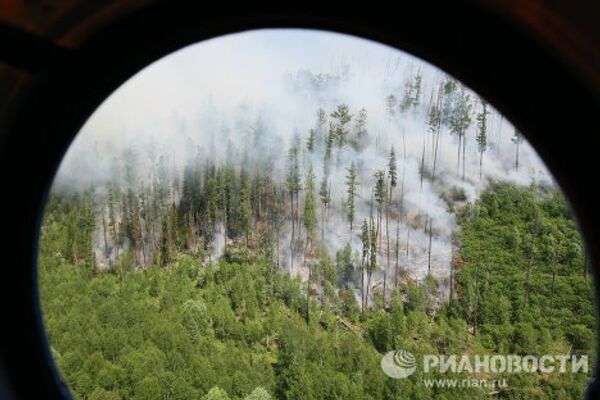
[[218, 243], [244, 99]]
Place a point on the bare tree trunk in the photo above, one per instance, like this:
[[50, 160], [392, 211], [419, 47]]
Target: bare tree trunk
[[438, 130], [104, 233], [435, 154], [429, 249], [458, 155], [299, 222], [369, 273], [480, 164], [451, 289], [323, 210], [402, 181], [500, 135], [149, 226], [384, 286], [407, 247], [422, 170], [362, 284], [260, 198], [326, 215], [293, 233], [397, 252], [387, 237], [142, 229], [277, 251], [464, 151], [379, 235], [308, 292], [517, 157]]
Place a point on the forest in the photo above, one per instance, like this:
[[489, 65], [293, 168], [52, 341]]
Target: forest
[[240, 329], [339, 189], [277, 249]]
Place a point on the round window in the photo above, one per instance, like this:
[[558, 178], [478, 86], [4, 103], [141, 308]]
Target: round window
[[292, 214]]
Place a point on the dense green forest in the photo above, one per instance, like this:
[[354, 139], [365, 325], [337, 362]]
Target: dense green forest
[[189, 326]]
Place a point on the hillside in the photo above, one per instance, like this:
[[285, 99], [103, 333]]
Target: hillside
[[193, 327]]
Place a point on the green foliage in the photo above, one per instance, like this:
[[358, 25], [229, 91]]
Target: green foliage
[[460, 116], [310, 213], [186, 329], [258, 394], [192, 332], [482, 133], [342, 116], [522, 280], [379, 190], [216, 393], [351, 191]]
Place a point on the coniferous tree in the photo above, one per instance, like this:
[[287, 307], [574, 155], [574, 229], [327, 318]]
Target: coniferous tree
[[258, 193], [392, 170], [351, 188], [321, 117], [342, 116], [359, 142], [325, 196], [86, 226], [165, 243], [310, 214], [320, 134], [482, 134], [380, 195], [393, 178], [361, 123], [187, 203], [329, 142], [390, 103], [113, 224], [135, 229], [407, 97], [229, 198], [366, 248], [372, 266], [245, 208], [311, 140], [517, 139], [104, 234], [380, 198], [460, 120], [293, 186], [417, 89], [449, 90], [434, 122]]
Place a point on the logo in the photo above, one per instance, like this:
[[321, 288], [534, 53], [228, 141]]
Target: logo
[[398, 364]]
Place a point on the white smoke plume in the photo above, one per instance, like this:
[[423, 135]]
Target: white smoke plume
[[244, 99]]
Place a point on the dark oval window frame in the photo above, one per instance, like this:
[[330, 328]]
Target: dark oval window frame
[[491, 53]]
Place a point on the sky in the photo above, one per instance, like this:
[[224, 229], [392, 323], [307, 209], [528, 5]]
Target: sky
[[248, 74], [248, 65]]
